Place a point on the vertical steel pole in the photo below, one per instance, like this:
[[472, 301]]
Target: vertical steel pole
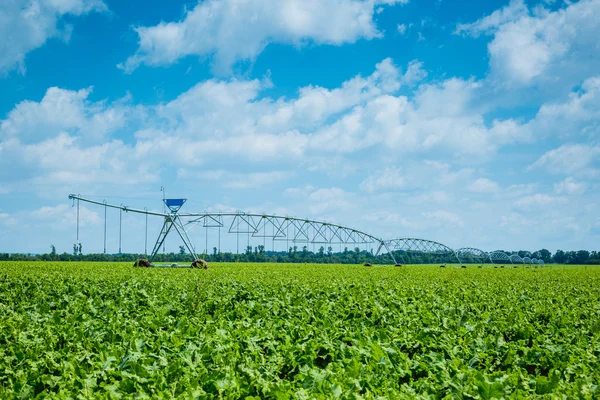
[[104, 226], [120, 220], [77, 220], [146, 236], [162, 189]]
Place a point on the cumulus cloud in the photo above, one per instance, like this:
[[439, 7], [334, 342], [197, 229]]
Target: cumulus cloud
[[63, 215], [388, 179], [443, 218], [65, 137], [539, 200], [236, 180], [63, 160], [231, 31], [298, 192], [569, 186], [578, 115], [484, 185], [230, 119], [569, 159], [514, 10], [26, 25], [329, 199], [63, 110], [539, 45]]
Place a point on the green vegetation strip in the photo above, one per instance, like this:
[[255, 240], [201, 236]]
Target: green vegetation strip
[[298, 331]]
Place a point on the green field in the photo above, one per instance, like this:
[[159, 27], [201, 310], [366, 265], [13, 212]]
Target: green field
[[298, 331]]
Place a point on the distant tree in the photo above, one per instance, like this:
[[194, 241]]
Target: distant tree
[[523, 253], [75, 249], [560, 257], [52, 251], [181, 250], [214, 251], [582, 257], [545, 255], [79, 248]]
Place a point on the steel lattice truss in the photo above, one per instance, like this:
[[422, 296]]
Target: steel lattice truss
[[299, 230], [516, 259], [285, 228], [418, 246], [499, 256], [278, 228], [421, 245], [469, 254]]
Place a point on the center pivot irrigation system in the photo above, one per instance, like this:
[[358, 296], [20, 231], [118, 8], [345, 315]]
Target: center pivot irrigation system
[[290, 230]]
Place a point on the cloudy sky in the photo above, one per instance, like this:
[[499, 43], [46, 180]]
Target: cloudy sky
[[470, 123]]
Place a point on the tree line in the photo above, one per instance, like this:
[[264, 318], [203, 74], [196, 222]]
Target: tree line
[[302, 254]]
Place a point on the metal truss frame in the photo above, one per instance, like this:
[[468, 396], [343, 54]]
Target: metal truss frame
[[275, 227], [515, 258], [286, 228], [499, 256], [472, 253], [298, 230], [416, 245]]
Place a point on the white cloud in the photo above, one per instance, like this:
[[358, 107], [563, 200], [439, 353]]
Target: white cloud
[[570, 159], [414, 73], [579, 115], [65, 216], [388, 179], [443, 217], [298, 192], [569, 186], [443, 115], [236, 180], [331, 199], [63, 110], [484, 185], [514, 10], [542, 46], [231, 31], [7, 220], [392, 219], [62, 160], [219, 120], [27, 24], [520, 189], [539, 200], [401, 29]]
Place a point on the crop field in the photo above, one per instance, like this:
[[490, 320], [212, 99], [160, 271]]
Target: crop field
[[298, 331]]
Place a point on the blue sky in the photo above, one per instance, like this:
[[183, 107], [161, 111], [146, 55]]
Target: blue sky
[[469, 123]]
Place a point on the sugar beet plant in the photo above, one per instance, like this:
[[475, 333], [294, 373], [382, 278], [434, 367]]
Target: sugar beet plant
[[298, 332]]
